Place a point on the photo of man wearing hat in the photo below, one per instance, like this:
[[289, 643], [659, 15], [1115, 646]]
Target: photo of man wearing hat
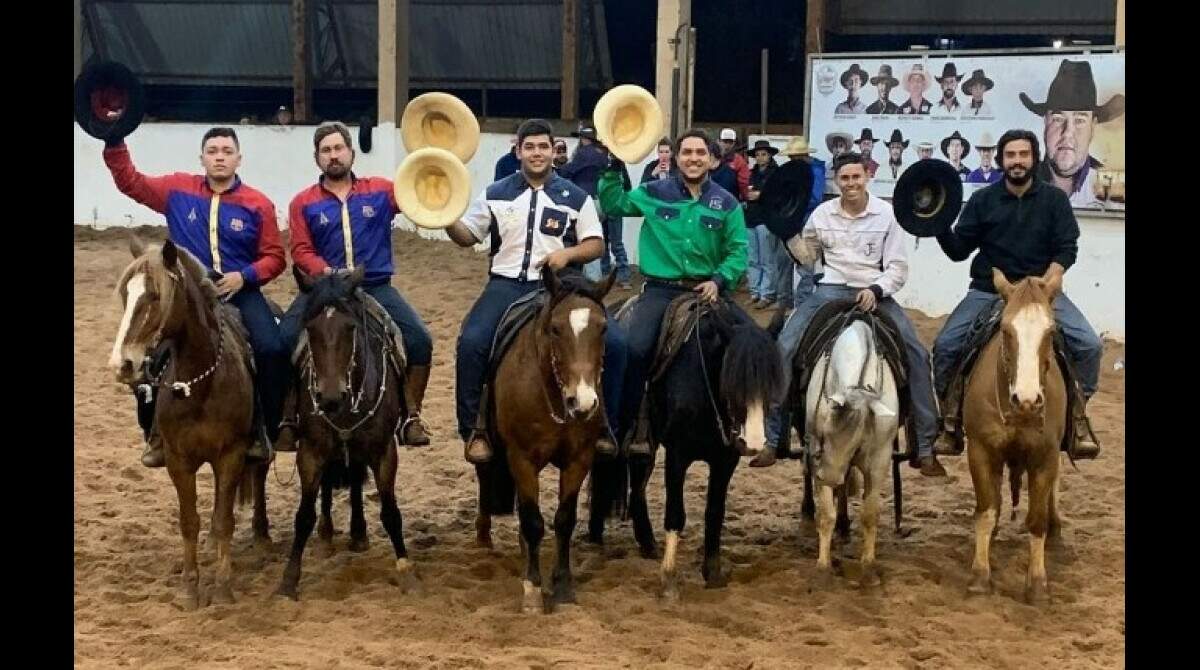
[[949, 82], [896, 145], [987, 173], [866, 144], [975, 87], [853, 80], [916, 82], [884, 83], [924, 150], [1071, 113], [955, 148]]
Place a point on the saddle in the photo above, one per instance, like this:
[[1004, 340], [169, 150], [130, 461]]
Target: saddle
[[519, 314]]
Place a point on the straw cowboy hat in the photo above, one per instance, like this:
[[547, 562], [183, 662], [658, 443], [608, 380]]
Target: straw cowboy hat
[[109, 102], [885, 74], [966, 146], [440, 120], [432, 187], [978, 77], [1073, 90], [917, 70], [985, 141], [628, 122], [798, 146], [847, 137]]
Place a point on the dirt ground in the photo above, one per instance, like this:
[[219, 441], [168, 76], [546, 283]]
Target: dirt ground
[[128, 556]]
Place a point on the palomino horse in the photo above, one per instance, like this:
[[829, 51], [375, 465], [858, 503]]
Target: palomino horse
[[852, 416], [1015, 414], [715, 391], [547, 410], [354, 404], [206, 416]]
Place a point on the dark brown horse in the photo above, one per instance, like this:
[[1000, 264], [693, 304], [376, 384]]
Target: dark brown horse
[[206, 417], [1015, 414], [350, 405], [548, 410]]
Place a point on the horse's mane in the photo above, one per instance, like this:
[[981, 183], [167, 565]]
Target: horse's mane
[[571, 281], [339, 292]]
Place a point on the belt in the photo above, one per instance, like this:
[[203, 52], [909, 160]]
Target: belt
[[686, 283]]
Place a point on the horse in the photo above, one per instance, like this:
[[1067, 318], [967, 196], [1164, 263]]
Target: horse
[[168, 301], [355, 403], [547, 409], [852, 417], [1015, 414], [708, 404]]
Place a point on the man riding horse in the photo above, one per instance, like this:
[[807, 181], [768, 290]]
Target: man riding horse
[[340, 223], [230, 228], [693, 239], [862, 248], [1024, 228], [535, 221]]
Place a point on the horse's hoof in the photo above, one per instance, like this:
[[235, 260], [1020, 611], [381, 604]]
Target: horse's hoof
[[981, 585], [325, 530], [263, 542], [824, 579], [870, 577], [189, 600], [359, 544], [406, 576], [649, 550], [1037, 593], [718, 578], [670, 594], [564, 592], [287, 591], [221, 595], [484, 540], [532, 600]]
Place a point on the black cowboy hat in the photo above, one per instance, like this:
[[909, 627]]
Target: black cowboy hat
[[109, 102], [785, 197], [866, 135], [762, 144], [956, 136], [897, 138], [948, 71], [1074, 89], [885, 74], [927, 198], [978, 77], [855, 70]]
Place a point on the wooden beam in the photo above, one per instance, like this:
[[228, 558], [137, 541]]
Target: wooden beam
[[1121, 23], [570, 60], [301, 49], [393, 59], [670, 86], [814, 39]]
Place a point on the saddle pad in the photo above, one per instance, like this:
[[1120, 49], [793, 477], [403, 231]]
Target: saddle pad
[[522, 311]]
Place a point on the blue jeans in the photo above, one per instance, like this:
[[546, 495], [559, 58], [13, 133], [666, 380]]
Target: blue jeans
[[1083, 345], [271, 360], [614, 227], [762, 263], [418, 343], [475, 347], [920, 382]]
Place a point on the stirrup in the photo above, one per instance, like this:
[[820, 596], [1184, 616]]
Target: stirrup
[[479, 460], [402, 433]]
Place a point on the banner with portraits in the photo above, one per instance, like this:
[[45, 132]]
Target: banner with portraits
[[899, 109]]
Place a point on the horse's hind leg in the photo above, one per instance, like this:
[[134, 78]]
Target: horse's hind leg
[[843, 508], [984, 475], [189, 527], [262, 525], [565, 517], [227, 474], [1041, 486], [675, 516], [808, 508], [715, 574], [1054, 528], [873, 483], [325, 525], [389, 514], [358, 522], [309, 467], [601, 498], [826, 516], [643, 532]]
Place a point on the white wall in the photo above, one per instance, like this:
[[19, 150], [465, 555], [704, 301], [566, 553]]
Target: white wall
[[278, 161]]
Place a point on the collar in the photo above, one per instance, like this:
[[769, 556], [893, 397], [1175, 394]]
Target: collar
[[1035, 187], [322, 187], [874, 206], [705, 186], [237, 182]]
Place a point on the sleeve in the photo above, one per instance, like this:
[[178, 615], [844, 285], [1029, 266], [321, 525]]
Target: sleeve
[[964, 238], [733, 266], [588, 223], [304, 254], [805, 247], [271, 260], [614, 200], [150, 191], [478, 217], [818, 188], [647, 173], [1065, 233], [499, 171], [386, 184], [895, 262], [582, 160], [743, 179]]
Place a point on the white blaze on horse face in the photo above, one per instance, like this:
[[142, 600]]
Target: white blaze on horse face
[[134, 289], [756, 437], [579, 320], [585, 391], [329, 312], [1031, 324]]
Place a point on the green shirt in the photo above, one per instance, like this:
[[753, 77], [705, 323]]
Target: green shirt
[[682, 237]]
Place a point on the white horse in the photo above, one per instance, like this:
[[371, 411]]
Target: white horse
[[852, 418]]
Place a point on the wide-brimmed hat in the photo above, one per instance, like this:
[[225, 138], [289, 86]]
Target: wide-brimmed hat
[[956, 136], [917, 70], [432, 187], [897, 138], [854, 70], [764, 145], [798, 146], [866, 135], [985, 141], [628, 122], [948, 72], [978, 77], [924, 146], [1073, 90], [849, 139], [109, 102], [927, 197], [784, 198], [440, 120], [885, 74]]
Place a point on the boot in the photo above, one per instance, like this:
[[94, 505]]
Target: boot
[[153, 455], [929, 466], [413, 431], [1084, 446], [289, 427], [477, 450], [260, 448]]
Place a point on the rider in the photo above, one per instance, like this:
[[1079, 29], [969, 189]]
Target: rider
[[1025, 228], [693, 238], [230, 228], [862, 249], [340, 222], [534, 220]]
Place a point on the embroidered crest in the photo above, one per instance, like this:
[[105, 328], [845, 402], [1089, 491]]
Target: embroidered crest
[[553, 223], [324, 219], [237, 225], [566, 193], [368, 211], [192, 215], [716, 204]]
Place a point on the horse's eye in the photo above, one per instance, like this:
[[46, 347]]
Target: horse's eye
[[152, 297], [556, 330]]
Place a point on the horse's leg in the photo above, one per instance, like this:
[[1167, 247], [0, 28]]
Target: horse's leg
[[184, 479], [309, 466], [227, 474], [569, 481], [985, 472], [358, 522], [325, 525], [1037, 520], [720, 472], [826, 516], [873, 484], [843, 508], [389, 514], [262, 525], [601, 500], [643, 532], [533, 528], [1054, 528], [808, 508], [674, 518]]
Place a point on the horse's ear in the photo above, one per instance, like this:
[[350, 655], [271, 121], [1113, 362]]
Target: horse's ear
[[1051, 289], [136, 246], [550, 281], [604, 286], [303, 280], [170, 255], [880, 409], [356, 276], [1001, 283]]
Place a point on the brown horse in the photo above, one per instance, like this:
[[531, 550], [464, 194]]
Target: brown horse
[[548, 410], [1015, 414], [206, 417]]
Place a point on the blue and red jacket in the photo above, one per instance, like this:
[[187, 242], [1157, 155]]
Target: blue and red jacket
[[231, 231], [325, 232]]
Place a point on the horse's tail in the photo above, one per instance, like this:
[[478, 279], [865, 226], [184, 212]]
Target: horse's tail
[[1014, 484], [248, 483], [751, 370]]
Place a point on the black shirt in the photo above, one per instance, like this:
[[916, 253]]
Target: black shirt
[[1020, 236]]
